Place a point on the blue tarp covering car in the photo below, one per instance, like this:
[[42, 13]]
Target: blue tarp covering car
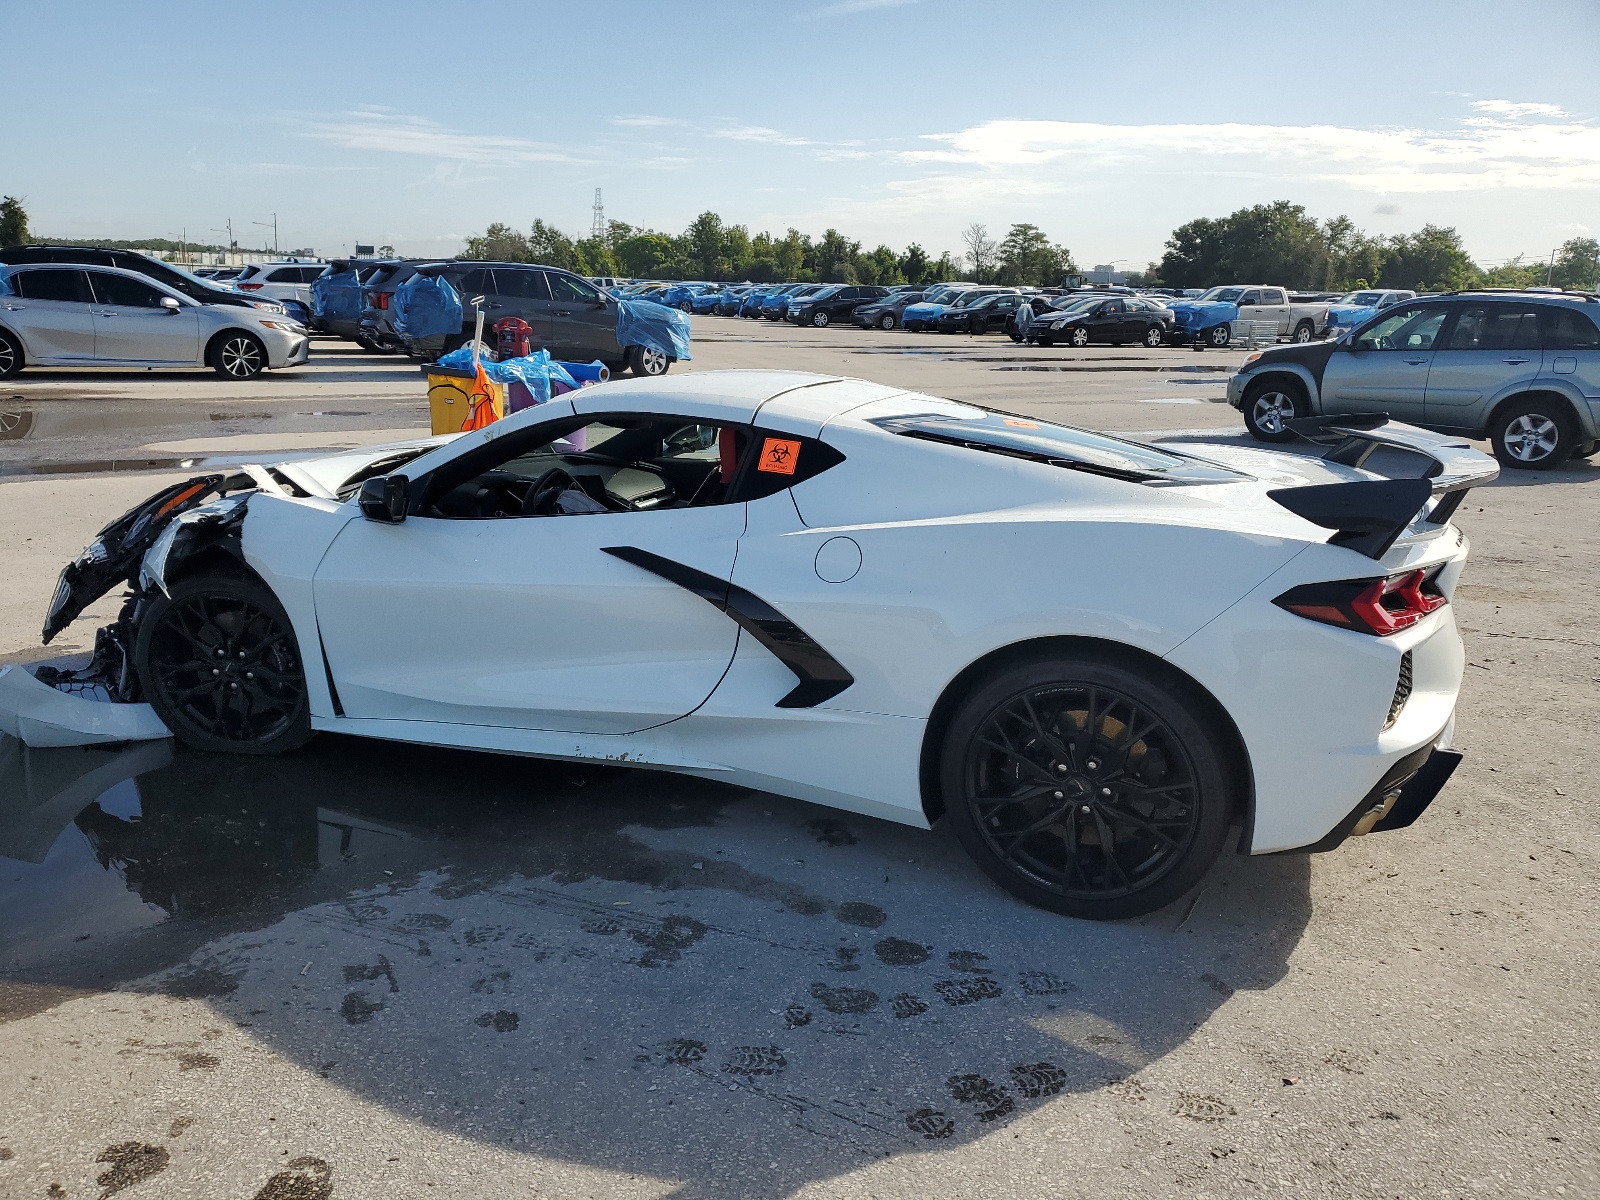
[[653, 326], [426, 306], [705, 302], [336, 296], [1353, 308], [1196, 318]]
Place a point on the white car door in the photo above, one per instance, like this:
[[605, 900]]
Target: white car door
[[536, 622], [131, 325], [49, 310]]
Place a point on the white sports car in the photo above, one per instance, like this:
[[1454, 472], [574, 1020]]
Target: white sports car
[[1092, 655]]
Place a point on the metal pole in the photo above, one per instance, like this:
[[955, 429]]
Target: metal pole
[[1550, 273]]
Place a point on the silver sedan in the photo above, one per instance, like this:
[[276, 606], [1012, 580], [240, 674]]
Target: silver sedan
[[63, 315]]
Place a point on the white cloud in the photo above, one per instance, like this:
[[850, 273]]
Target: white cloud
[[760, 133], [397, 133], [1513, 108], [646, 121], [846, 8]]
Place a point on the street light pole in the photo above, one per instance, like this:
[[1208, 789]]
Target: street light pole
[[1551, 270], [274, 225]]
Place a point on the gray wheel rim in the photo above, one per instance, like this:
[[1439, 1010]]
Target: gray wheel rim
[[886, 321], [653, 361], [1152, 337], [1219, 336], [1272, 411], [820, 319], [241, 357], [1531, 438], [1303, 334], [1080, 337], [8, 355]]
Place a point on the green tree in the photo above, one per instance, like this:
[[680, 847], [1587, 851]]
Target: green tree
[[736, 251], [1513, 274], [1274, 243], [594, 253], [981, 251], [946, 270], [1027, 258], [835, 257], [1430, 260], [914, 264], [704, 247], [549, 246], [1353, 256], [1194, 254], [881, 267], [789, 255], [647, 256], [13, 223], [1577, 264], [498, 243]]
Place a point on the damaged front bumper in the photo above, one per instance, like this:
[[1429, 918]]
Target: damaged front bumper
[[39, 714]]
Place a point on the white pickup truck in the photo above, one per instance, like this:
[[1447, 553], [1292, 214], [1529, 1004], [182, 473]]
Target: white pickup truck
[[1208, 318]]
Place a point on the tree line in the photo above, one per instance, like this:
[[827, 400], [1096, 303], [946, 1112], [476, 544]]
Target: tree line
[[1280, 243], [711, 249]]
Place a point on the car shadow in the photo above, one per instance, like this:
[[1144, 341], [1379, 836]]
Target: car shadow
[[724, 989]]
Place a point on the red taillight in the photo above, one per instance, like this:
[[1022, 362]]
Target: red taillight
[[249, 287], [381, 299], [1376, 606]]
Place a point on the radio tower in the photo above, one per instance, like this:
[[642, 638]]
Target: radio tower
[[599, 228]]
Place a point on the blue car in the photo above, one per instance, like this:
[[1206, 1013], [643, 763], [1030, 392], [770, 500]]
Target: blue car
[[750, 304], [1353, 308], [681, 295], [925, 313], [730, 301], [706, 302], [776, 305]]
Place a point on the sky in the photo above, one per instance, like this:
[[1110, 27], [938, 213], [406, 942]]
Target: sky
[[1107, 125]]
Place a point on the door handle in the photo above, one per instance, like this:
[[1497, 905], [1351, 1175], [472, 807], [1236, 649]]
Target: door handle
[[16, 307], [1416, 362], [1514, 362], [563, 312], [101, 312]]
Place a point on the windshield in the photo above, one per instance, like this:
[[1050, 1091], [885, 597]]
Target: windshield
[[1222, 295], [1364, 299], [1070, 303], [1057, 445], [824, 293], [968, 299]]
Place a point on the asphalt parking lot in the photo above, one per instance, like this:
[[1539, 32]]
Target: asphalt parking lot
[[374, 971]]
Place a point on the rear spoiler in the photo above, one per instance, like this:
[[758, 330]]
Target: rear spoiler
[[1368, 516]]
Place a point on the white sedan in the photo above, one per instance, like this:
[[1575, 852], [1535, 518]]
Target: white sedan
[[1093, 656]]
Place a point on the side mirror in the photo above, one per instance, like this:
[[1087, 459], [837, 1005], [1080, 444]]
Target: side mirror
[[170, 303], [383, 498]]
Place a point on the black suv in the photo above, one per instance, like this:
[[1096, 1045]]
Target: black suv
[[571, 318], [832, 303], [131, 260]]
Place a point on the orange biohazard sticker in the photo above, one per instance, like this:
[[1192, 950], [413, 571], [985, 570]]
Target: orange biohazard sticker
[[779, 456]]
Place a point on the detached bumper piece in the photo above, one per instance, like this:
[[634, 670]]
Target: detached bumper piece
[[1400, 797], [39, 715]]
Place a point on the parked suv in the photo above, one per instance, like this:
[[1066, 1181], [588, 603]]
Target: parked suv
[[1520, 368], [834, 302], [64, 315], [571, 317], [375, 331], [288, 280], [131, 260]]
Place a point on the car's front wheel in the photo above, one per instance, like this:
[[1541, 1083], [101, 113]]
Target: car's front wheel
[[1533, 435], [886, 321], [1269, 406], [238, 356], [645, 361], [218, 661], [1218, 335], [10, 355], [820, 318], [1085, 786], [1079, 337], [1153, 336]]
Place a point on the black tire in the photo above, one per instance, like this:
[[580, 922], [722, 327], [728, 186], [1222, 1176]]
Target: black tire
[[820, 319], [11, 360], [1079, 337], [1534, 434], [218, 662], [887, 321], [237, 355], [1040, 769], [1153, 336], [1268, 404], [1218, 336], [1304, 332], [647, 363]]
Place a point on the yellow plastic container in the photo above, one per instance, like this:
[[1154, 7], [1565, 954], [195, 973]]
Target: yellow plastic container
[[450, 398]]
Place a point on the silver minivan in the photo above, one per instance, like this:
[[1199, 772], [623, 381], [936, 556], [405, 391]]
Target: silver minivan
[[62, 315]]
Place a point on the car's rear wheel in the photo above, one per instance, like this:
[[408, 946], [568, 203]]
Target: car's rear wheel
[[645, 361], [238, 356], [10, 355], [1079, 337], [1304, 331], [1152, 336], [820, 318], [1269, 406], [887, 321], [1533, 435], [219, 663], [1086, 787], [1218, 335]]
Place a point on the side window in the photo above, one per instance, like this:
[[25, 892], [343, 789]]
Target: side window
[[526, 285], [477, 282], [1249, 298], [568, 288], [1471, 322], [1277, 296], [52, 285], [1511, 327], [1412, 327], [120, 290], [1568, 329]]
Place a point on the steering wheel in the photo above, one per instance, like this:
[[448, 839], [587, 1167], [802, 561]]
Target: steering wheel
[[544, 491]]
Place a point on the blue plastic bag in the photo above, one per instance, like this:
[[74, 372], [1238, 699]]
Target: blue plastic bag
[[653, 326], [538, 371], [426, 305], [336, 297]]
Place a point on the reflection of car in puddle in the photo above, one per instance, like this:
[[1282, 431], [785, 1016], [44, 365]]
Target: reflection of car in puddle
[[15, 423]]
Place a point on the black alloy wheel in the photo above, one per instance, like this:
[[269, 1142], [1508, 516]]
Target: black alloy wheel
[[1153, 336], [886, 321], [238, 356], [219, 664], [10, 355], [1085, 787], [1079, 336]]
